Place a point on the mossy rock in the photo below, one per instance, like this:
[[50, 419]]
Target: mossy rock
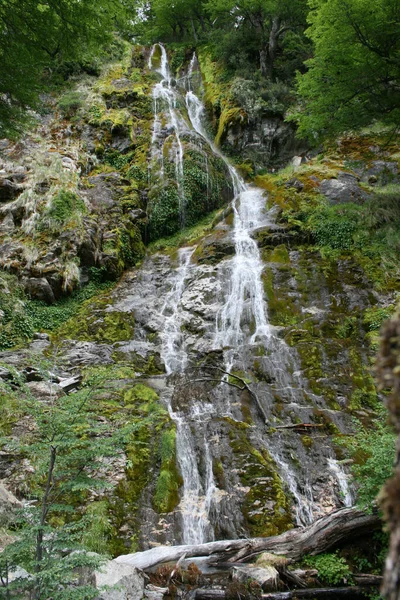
[[266, 507], [94, 323]]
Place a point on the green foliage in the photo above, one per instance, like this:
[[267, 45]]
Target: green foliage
[[66, 448], [332, 568], [98, 530], [40, 42], [373, 453], [70, 102], [115, 159], [64, 205], [375, 316], [23, 317], [334, 226], [353, 78]]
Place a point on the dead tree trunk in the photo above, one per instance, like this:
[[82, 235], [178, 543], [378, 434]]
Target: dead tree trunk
[[322, 535], [325, 593]]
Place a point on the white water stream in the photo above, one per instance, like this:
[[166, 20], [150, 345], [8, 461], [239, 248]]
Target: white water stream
[[242, 319], [343, 481], [165, 95]]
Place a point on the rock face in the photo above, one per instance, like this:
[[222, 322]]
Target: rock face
[[235, 424], [8, 504]]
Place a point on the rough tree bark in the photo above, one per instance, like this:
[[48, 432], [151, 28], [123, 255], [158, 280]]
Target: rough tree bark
[[388, 369], [316, 538]]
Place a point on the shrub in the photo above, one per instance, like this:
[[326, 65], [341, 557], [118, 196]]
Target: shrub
[[332, 569], [70, 102]]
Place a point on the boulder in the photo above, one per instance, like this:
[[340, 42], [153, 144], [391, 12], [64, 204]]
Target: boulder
[[343, 189], [40, 289], [267, 577], [295, 184], [126, 582]]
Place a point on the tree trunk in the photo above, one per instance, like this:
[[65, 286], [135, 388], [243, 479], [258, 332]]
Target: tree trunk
[[322, 535], [263, 62], [388, 371]]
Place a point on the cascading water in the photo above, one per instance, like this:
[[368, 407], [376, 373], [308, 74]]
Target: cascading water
[[342, 479], [196, 498], [241, 322], [165, 94], [244, 304]]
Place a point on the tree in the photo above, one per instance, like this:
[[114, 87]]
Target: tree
[[66, 446], [266, 21], [354, 76], [39, 36]]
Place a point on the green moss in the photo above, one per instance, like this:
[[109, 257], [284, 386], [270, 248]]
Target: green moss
[[279, 254], [94, 323], [266, 507], [219, 473], [364, 394], [229, 117], [149, 420], [282, 309], [307, 441]]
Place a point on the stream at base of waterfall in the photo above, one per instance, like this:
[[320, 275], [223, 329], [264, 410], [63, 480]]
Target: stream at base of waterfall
[[229, 300]]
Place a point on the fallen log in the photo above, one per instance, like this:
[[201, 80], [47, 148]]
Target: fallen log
[[326, 593], [322, 535]]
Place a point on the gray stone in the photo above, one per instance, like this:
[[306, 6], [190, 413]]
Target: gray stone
[[127, 582], [294, 184], [40, 289], [7, 225], [343, 189], [267, 577], [8, 504]]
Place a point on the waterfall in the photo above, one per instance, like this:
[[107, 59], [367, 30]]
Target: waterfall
[[241, 321], [244, 307], [196, 500], [342, 479], [165, 94]]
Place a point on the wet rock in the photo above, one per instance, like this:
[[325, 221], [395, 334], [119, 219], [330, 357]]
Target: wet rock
[[343, 189], [40, 289], [215, 248]]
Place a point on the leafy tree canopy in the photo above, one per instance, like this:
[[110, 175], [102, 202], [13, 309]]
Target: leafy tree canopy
[[40, 36], [354, 76]]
